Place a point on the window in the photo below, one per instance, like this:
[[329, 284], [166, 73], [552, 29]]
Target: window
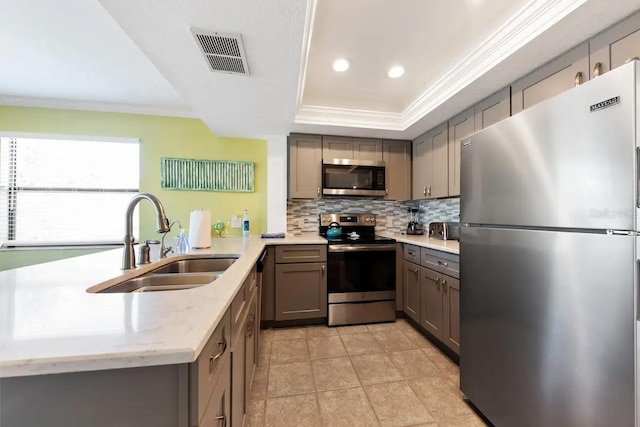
[[65, 191]]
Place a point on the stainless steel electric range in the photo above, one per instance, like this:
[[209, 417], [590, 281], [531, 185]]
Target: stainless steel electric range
[[361, 271]]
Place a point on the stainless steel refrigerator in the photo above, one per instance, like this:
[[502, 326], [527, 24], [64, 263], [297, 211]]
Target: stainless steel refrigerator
[[550, 260]]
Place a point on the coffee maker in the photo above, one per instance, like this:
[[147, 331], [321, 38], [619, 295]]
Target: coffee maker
[[414, 226]]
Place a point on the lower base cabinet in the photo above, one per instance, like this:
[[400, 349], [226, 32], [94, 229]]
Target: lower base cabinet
[[219, 409], [300, 282], [431, 297]]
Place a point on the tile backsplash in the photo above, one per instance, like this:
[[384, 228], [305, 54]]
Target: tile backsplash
[[302, 215]]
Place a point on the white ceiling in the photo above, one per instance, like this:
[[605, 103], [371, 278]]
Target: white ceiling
[[139, 55], [72, 53]]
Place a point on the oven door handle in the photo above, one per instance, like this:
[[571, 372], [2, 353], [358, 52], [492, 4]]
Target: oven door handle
[[362, 248]]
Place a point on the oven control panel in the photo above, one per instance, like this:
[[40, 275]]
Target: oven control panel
[[348, 219]]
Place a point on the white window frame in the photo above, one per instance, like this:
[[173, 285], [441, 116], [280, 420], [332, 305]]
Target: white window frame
[[4, 245]]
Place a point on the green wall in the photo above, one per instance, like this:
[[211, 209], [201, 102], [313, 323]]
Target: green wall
[[159, 137]]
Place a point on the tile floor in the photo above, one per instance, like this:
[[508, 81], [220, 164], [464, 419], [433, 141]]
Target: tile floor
[[375, 375]]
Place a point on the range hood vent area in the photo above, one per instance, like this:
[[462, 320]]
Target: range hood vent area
[[224, 52]]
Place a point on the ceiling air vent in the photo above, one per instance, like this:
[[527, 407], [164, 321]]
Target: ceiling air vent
[[223, 51]]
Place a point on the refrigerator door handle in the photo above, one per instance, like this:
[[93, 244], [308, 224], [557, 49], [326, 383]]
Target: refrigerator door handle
[[638, 177]]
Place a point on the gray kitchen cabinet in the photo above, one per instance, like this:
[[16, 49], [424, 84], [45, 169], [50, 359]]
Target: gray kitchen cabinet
[[300, 282], [493, 109], [614, 46], [218, 412], [251, 345], [411, 295], [397, 158], [551, 79], [451, 313], [342, 147], [460, 127], [431, 309], [431, 164], [305, 166], [301, 291]]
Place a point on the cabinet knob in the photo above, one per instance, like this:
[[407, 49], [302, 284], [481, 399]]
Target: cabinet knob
[[578, 79], [597, 69]]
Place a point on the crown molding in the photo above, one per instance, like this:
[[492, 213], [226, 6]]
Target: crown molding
[[528, 23], [107, 107], [306, 45]]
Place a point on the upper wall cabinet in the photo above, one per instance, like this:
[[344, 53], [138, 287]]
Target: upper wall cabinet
[[305, 166], [495, 108], [460, 127], [339, 147], [553, 78], [431, 164], [615, 46], [397, 159]]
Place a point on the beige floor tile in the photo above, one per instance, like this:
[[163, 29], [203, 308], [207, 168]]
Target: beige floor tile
[[290, 378], [396, 404], [417, 338], [361, 344], [325, 347], [259, 384], [394, 341], [334, 373], [255, 414], [445, 364], [382, 327], [289, 334], [266, 335], [471, 421], [413, 364], [346, 408], [321, 331], [356, 329], [265, 353], [441, 398], [375, 368], [289, 351], [293, 411]]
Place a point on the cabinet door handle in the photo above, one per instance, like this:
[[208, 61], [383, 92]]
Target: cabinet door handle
[[633, 58], [222, 418], [318, 192], [416, 272], [213, 360], [424, 191], [386, 191], [578, 79], [446, 264], [597, 69], [444, 286], [429, 191], [323, 270]]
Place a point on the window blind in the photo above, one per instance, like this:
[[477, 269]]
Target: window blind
[[64, 192]]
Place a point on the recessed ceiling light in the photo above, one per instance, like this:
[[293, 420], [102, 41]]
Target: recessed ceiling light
[[395, 72], [341, 65]]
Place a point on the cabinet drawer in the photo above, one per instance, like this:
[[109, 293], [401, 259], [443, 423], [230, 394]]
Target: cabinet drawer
[[445, 263], [412, 254], [301, 253], [240, 303], [205, 371], [219, 408]]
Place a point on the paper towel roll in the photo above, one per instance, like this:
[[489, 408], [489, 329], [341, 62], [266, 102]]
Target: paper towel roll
[[200, 229]]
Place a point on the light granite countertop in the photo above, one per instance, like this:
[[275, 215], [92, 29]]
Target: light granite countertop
[[450, 246], [49, 323]]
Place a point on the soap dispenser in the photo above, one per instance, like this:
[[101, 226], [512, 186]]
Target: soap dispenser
[[182, 245]]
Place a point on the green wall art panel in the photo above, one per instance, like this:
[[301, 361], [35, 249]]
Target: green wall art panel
[[206, 175]]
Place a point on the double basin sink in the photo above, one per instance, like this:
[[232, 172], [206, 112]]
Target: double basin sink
[[176, 275]]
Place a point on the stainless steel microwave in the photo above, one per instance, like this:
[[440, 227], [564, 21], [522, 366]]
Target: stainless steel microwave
[[348, 177]]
